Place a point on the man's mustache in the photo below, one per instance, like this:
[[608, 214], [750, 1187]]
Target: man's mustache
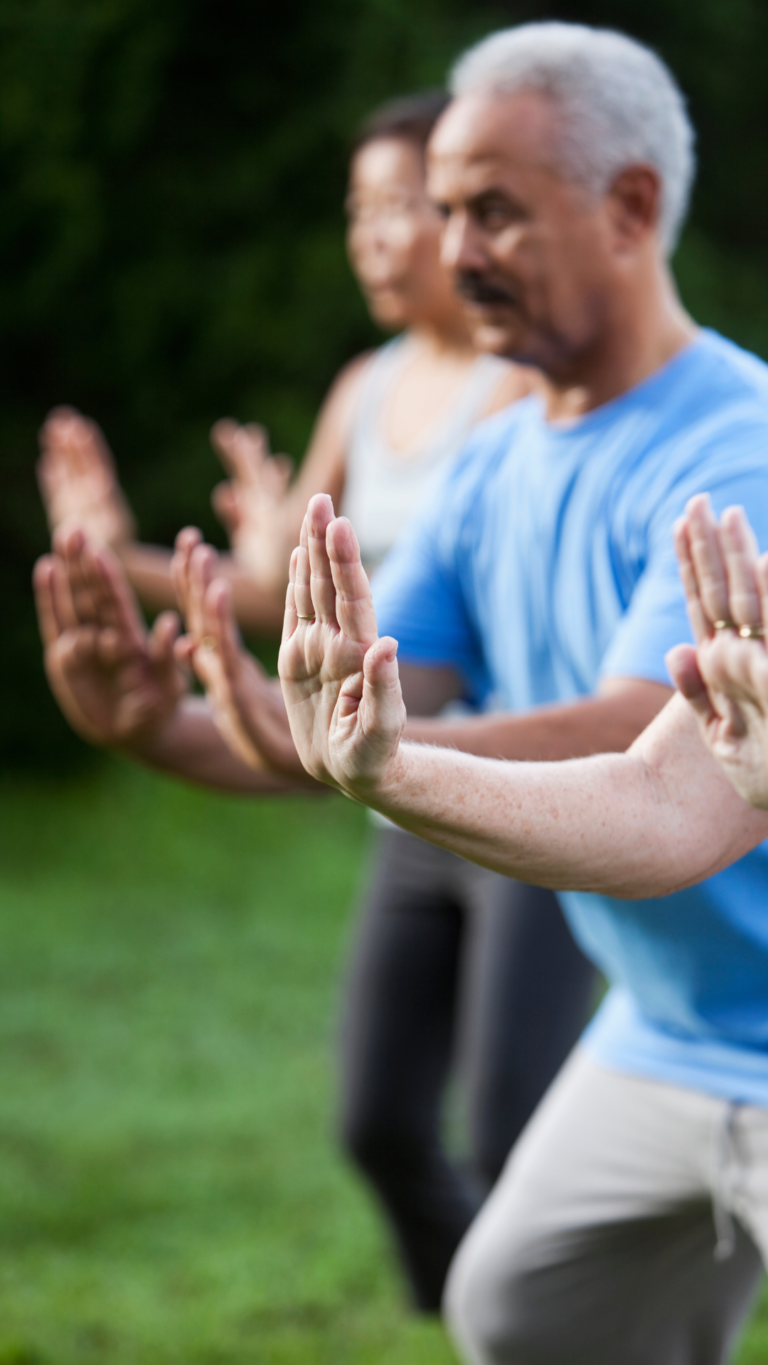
[[475, 289]]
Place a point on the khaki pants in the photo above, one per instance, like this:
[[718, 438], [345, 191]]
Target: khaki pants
[[623, 1230]]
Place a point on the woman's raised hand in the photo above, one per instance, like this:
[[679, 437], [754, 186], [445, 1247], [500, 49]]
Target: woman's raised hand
[[725, 676], [250, 504], [340, 681], [78, 482]]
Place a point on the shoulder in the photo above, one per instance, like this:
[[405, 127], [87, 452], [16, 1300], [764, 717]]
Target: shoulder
[[741, 372], [712, 412], [346, 385], [728, 386]]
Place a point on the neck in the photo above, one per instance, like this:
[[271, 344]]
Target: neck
[[647, 328], [444, 337]]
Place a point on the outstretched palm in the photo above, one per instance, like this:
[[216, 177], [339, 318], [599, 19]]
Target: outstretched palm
[[725, 678], [340, 681], [247, 705], [115, 684], [735, 674]]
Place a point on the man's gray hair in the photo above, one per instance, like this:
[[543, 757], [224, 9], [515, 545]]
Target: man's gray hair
[[619, 104]]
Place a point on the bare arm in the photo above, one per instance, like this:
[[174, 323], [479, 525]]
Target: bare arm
[[639, 824], [607, 723], [644, 823]]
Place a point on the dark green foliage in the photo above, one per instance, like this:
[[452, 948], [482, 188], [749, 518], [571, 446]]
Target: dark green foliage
[[171, 240]]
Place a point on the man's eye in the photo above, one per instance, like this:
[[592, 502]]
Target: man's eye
[[494, 216]]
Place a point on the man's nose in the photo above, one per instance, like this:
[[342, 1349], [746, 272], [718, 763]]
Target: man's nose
[[460, 247]]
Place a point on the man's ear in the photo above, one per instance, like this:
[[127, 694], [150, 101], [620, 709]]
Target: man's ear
[[634, 203]]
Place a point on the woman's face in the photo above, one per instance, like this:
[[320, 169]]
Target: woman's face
[[393, 237]]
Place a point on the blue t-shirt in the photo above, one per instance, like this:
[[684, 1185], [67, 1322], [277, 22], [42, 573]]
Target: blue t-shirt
[[544, 562]]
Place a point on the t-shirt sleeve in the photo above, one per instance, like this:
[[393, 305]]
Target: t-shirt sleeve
[[656, 618], [421, 597]]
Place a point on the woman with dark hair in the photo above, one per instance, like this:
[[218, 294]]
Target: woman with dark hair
[[455, 968]]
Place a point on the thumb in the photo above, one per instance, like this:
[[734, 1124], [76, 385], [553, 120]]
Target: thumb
[[382, 694], [683, 668], [161, 643]]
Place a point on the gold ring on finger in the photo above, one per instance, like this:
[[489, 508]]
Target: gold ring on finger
[[207, 642], [752, 632], [313, 617], [724, 625]]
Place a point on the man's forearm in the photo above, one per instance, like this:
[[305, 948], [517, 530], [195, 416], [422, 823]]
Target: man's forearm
[[592, 725], [631, 825], [190, 746]]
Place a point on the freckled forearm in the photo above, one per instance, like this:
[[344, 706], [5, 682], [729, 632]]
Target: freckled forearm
[[630, 825]]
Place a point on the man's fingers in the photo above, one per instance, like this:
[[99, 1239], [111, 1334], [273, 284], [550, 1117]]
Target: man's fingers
[[696, 613], [302, 591], [740, 549], [222, 626], [322, 589], [186, 541], [761, 571], [683, 668], [291, 619], [354, 601], [708, 559], [161, 642], [202, 567]]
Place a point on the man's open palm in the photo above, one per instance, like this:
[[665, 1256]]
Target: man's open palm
[[725, 679], [340, 681]]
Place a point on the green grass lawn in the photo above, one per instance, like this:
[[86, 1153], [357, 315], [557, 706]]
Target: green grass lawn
[[169, 1186]]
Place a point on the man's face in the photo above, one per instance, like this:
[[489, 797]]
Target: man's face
[[530, 253]]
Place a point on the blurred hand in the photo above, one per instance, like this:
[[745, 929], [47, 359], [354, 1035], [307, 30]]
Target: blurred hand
[[251, 504], [77, 480], [247, 705], [340, 681], [116, 684], [725, 676]]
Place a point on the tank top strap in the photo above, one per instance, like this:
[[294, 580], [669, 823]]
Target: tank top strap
[[379, 374]]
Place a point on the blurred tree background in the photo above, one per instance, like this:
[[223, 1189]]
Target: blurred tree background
[[171, 238]]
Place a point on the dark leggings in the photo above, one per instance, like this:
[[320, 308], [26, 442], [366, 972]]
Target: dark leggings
[[454, 968]]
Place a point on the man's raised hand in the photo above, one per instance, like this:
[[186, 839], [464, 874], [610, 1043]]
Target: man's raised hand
[[340, 681], [116, 684], [246, 704], [725, 676]]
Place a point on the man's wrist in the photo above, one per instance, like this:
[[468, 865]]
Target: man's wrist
[[385, 791]]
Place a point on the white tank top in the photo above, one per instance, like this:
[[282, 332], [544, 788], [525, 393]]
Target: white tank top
[[383, 488]]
